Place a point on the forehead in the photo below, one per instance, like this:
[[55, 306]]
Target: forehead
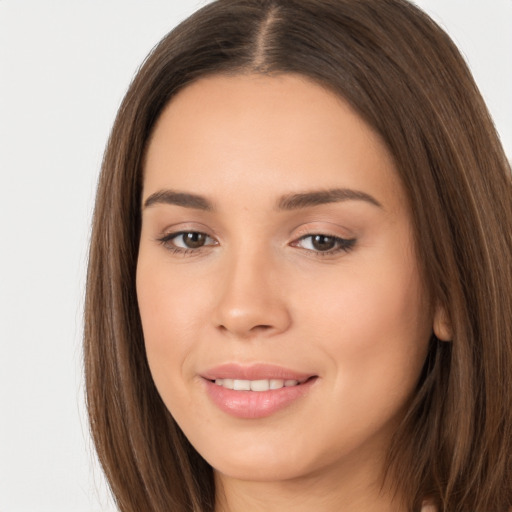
[[266, 135]]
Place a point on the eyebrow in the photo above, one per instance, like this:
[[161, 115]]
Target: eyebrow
[[179, 199], [319, 197], [287, 202]]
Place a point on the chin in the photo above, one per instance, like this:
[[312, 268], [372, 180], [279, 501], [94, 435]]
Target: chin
[[259, 472]]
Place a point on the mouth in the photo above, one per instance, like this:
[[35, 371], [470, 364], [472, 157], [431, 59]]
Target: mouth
[[256, 391], [279, 376], [259, 385]]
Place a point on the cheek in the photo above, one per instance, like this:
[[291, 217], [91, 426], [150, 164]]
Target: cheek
[[375, 327], [172, 312], [383, 309]]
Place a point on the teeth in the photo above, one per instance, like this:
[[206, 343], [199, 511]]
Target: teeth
[[228, 383], [276, 383], [255, 385], [241, 385], [260, 385]]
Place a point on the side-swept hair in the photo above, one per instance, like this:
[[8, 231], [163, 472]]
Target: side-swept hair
[[406, 78]]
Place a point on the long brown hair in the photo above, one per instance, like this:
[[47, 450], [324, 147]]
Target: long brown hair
[[406, 78]]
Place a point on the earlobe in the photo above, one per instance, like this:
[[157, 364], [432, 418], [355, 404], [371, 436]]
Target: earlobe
[[442, 324]]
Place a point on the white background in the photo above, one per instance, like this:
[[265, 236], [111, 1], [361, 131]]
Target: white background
[[64, 67]]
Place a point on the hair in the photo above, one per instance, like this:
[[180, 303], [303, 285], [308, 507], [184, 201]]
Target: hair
[[407, 80]]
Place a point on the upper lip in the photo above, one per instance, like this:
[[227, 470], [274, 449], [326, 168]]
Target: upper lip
[[259, 371]]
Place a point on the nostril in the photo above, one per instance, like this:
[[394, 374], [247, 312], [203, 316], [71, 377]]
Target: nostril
[[261, 328]]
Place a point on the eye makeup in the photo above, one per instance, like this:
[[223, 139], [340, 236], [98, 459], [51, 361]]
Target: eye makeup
[[186, 243]]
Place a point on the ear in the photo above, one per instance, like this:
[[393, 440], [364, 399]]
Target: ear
[[442, 324]]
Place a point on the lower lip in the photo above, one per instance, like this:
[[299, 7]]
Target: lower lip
[[255, 404]]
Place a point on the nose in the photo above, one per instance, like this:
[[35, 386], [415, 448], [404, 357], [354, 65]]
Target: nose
[[251, 300]]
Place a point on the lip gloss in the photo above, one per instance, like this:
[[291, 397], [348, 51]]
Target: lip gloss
[[255, 404]]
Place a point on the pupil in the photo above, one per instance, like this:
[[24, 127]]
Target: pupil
[[323, 243], [194, 240]]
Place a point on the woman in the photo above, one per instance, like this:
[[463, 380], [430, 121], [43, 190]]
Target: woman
[[299, 281]]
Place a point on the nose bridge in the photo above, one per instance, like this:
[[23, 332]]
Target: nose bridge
[[250, 300]]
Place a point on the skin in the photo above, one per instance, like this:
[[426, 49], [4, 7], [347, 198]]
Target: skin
[[259, 291]]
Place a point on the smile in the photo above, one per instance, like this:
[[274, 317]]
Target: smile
[[256, 385], [255, 391]]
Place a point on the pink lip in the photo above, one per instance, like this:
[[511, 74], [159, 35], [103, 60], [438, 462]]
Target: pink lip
[[255, 404], [253, 372]]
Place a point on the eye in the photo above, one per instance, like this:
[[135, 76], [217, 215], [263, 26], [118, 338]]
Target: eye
[[326, 244], [190, 240], [186, 241]]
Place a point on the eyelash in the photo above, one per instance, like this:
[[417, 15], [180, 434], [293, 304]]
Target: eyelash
[[341, 244], [166, 241]]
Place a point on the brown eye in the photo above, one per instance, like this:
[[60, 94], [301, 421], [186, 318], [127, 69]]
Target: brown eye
[[186, 241], [193, 240], [323, 242]]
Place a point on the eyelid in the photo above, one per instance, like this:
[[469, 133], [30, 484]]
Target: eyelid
[[177, 228], [177, 234], [341, 245], [167, 238], [323, 228], [345, 242]]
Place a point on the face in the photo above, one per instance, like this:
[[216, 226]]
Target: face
[[283, 312]]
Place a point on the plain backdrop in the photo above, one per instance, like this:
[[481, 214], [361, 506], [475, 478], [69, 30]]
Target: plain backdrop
[[64, 67]]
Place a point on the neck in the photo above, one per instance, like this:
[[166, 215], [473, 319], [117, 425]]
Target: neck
[[336, 491]]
